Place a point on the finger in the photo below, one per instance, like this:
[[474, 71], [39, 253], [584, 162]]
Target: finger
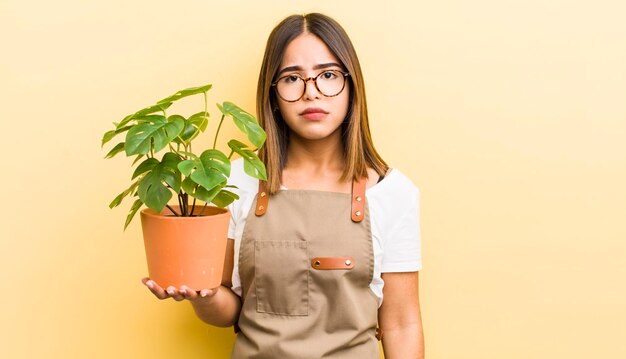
[[155, 288], [189, 294], [207, 293], [174, 293]]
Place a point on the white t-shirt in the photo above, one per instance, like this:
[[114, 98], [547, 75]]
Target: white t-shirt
[[394, 217]]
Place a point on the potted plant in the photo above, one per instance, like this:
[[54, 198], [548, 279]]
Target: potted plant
[[185, 242]]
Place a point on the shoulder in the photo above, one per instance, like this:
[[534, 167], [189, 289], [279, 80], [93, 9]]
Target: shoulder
[[247, 188], [239, 178], [395, 190]]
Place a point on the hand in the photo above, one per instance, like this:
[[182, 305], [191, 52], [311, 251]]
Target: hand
[[177, 294]]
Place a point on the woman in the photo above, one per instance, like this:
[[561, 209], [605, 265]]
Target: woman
[[312, 247]]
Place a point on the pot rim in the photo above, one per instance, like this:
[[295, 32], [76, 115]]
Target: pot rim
[[210, 211]]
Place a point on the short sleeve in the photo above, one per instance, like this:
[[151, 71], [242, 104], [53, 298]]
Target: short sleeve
[[402, 244], [232, 226]]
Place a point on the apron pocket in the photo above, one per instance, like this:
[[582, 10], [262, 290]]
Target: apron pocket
[[281, 277]]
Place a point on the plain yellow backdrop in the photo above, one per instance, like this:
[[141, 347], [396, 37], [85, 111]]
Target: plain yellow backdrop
[[509, 115]]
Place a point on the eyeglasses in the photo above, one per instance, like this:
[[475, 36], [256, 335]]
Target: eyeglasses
[[329, 83]]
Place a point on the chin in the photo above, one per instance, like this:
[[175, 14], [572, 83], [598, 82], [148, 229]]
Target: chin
[[312, 135]]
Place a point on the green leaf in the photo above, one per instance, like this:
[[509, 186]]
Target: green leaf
[[170, 163], [153, 190], [252, 165], [188, 133], [247, 123], [137, 159], [153, 193], [188, 154], [145, 166], [197, 191], [189, 186], [193, 126], [109, 135], [224, 198], [123, 123], [171, 160], [209, 170], [156, 131], [255, 168], [118, 200], [159, 107], [132, 212], [115, 150], [175, 117], [186, 92], [200, 120]]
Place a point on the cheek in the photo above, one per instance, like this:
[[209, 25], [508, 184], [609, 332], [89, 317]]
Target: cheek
[[285, 110], [344, 103]]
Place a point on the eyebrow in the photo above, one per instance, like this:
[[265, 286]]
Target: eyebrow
[[316, 67]]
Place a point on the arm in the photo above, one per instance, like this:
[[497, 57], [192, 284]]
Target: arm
[[218, 306], [399, 316]]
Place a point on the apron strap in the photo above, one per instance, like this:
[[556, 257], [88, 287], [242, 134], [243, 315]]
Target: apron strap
[[262, 200], [358, 200]]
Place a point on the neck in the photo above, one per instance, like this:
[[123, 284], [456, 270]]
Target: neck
[[315, 164], [315, 156]]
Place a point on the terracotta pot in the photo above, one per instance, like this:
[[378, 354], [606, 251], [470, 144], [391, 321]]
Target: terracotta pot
[[186, 250]]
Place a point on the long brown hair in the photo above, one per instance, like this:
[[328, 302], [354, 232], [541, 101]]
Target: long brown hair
[[359, 151]]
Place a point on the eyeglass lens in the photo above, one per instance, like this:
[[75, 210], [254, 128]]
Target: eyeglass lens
[[292, 87]]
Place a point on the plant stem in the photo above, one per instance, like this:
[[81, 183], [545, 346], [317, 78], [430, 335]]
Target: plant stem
[[193, 206], [218, 131], [180, 204], [206, 103], [186, 202], [203, 208], [172, 209], [231, 154]]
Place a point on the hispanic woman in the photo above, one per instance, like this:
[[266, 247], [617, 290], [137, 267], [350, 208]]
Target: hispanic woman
[[324, 256]]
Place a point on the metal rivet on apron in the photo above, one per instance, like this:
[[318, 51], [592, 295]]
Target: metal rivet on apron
[[348, 262], [358, 198], [317, 263], [358, 213], [261, 208], [263, 194]]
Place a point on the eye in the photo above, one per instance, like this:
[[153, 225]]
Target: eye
[[289, 79], [329, 75]]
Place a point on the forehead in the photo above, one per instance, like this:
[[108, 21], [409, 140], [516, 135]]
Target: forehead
[[306, 51]]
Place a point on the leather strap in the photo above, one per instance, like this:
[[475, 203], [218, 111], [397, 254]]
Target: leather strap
[[329, 263], [358, 200], [262, 200]]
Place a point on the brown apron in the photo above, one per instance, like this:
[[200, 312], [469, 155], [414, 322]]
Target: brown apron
[[305, 271]]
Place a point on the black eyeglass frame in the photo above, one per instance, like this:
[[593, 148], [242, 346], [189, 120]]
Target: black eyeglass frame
[[345, 77]]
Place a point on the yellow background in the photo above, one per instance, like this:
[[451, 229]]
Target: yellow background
[[509, 115]]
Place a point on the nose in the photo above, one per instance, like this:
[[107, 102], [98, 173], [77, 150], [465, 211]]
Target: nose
[[310, 89]]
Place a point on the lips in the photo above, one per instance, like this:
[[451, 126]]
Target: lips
[[313, 114], [312, 110]]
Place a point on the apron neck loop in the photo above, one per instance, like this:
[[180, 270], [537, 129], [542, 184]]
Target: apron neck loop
[[358, 200], [357, 211], [262, 200]]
